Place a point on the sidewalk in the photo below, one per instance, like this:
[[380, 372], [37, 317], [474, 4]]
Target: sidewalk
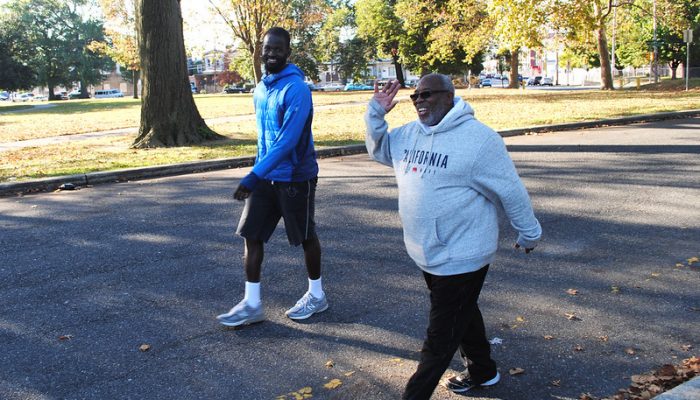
[[47, 184]]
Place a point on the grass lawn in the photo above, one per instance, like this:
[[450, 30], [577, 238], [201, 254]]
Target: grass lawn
[[340, 124]]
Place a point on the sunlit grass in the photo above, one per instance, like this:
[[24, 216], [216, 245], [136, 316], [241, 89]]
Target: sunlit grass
[[336, 125]]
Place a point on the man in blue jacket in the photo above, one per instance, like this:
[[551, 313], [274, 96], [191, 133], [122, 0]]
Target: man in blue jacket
[[282, 183]]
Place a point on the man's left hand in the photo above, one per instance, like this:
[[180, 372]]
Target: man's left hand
[[241, 193], [527, 249]]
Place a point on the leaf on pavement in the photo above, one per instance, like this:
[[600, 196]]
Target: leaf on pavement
[[686, 347], [679, 265], [615, 289], [631, 351], [693, 260], [578, 347], [65, 337], [603, 338], [572, 317], [520, 318], [548, 337], [516, 371], [332, 384], [349, 373], [572, 292], [330, 364], [145, 347], [556, 382]]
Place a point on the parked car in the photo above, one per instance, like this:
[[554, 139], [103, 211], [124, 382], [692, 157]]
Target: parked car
[[74, 94], [4, 96], [547, 81], [235, 89], [22, 97], [311, 86], [108, 93], [193, 87], [534, 81], [332, 87], [486, 82], [357, 86], [61, 95]]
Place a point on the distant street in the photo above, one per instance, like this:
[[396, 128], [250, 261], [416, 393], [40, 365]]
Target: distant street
[[110, 292]]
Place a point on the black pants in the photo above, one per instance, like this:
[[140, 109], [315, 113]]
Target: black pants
[[455, 323]]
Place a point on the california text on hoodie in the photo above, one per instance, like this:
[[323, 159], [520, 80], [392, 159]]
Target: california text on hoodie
[[452, 178], [284, 113]]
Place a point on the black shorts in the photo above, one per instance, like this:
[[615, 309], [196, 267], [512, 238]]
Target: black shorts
[[270, 201]]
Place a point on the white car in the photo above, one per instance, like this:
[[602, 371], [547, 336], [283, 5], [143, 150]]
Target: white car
[[109, 93], [22, 97], [547, 81], [332, 87]]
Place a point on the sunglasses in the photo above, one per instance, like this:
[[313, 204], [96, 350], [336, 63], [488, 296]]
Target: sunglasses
[[425, 94]]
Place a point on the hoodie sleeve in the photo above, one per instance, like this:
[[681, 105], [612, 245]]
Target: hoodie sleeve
[[297, 111], [494, 175], [377, 135]]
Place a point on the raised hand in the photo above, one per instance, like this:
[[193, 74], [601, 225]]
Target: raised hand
[[385, 97]]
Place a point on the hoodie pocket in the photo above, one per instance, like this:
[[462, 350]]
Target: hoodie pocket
[[422, 242]]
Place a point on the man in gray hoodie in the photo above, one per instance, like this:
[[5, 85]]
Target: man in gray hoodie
[[453, 174]]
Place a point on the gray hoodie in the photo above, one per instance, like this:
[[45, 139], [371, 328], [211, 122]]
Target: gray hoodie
[[452, 178]]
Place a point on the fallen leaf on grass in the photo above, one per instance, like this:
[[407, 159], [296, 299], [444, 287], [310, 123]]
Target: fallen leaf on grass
[[65, 337], [145, 347], [329, 364], [572, 317], [332, 384], [516, 371], [572, 292]]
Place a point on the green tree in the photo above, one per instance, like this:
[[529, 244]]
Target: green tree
[[378, 24], [120, 42], [169, 116], [517, 24], [57, 32], [15, 74], [441, 35]]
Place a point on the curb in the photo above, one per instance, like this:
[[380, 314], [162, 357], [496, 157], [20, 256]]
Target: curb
[[122, 175], [689, 390]]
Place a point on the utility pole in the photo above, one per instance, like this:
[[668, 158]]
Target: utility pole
[[688, 39], [655, 62], [612, 56]]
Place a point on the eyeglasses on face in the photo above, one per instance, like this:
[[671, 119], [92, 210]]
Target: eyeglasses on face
[[425, 94]]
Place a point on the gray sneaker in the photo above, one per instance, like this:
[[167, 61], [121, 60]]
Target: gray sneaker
[[307, 306], [242, 314]]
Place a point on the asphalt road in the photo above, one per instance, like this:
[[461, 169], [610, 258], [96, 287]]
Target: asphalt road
[[89, 276]]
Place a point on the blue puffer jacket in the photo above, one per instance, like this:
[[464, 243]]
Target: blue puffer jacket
[[284, 112]]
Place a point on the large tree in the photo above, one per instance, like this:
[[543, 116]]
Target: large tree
[[377, 23], [120, 44], [15, 74], [517, 24], [169, 116], [57, 32], [249, 20]]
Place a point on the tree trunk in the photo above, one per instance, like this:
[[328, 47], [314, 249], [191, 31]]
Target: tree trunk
[[674, 68], [606, 81], [256, 51], [135, 78], [169, 116], [399, 70], [514, 84]]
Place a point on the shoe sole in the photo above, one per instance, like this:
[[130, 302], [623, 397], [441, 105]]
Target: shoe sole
[[244, 322], [488, 383], [296, 318]]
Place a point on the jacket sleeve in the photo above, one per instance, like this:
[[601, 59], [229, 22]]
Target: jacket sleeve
[[494, 175], [297, 111], [377, 135]]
